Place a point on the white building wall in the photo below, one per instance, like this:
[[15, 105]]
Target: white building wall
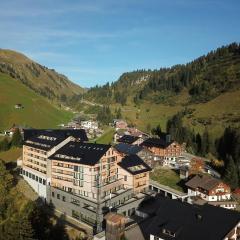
[[212, 198], [152, 237], [37, 186], [89, 124], [232, 206], [191, 192]]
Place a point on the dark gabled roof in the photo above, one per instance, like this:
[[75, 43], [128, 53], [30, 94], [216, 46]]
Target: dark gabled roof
[[156, 142], [128, 139], [128, 148], [203, 181], [44, 144], [82, 153], [134, 165], [186, 221], [79, 134]]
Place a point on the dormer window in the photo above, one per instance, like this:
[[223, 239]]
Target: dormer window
[[168, 232]]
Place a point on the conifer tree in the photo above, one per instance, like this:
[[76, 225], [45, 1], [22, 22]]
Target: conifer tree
[[157, 130], [231, 173], [205, 143], [199, 143], [26, 231], [4, 145], [5, 184], [16, 138]]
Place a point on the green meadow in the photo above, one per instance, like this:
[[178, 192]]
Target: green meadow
[[37, 112]]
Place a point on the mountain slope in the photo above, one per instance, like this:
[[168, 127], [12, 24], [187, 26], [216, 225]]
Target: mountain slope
[[42, 80], [208, 87], [204, 78], [215, 114], [37, 111]]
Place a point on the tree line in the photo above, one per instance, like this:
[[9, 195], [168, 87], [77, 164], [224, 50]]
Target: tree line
[[105, 115], [204, 78], [22, 219]]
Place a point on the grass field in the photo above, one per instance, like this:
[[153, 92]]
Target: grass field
[[11, 155], [220, 112], [166, 177], [37, 111], [107, 137]]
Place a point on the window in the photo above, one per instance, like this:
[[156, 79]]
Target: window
[[37, 178], [125, 178], [52, 194], [81, 183], [75, 201], [58, 196], [75, 214], [75, 168], [40, 180], [63, 198], [44, 182]]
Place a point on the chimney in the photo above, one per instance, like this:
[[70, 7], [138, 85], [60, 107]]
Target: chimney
[[115, 226]]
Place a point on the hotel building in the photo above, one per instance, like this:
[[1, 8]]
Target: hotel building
[[83, 180]]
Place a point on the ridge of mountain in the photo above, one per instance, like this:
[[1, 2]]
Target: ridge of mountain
[[46, 82]]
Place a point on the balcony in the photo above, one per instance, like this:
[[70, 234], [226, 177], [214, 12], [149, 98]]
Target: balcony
[[63, 174], [115, 194], [90, 208]]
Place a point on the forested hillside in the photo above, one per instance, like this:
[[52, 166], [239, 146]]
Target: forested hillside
[[206, 89], [204, 78]]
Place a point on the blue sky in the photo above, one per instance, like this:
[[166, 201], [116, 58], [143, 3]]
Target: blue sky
[[93, 42]]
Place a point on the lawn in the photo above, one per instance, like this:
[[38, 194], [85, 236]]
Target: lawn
[[37, 112], [222, 111], [11, 155], [166, 177], [107, 136]]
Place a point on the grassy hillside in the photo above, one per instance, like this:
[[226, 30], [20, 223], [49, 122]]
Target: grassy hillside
[[42, 80], [37, 111], [208, 87], [216, 114]]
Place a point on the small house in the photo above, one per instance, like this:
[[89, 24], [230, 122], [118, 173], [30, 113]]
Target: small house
[[18, 106]]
